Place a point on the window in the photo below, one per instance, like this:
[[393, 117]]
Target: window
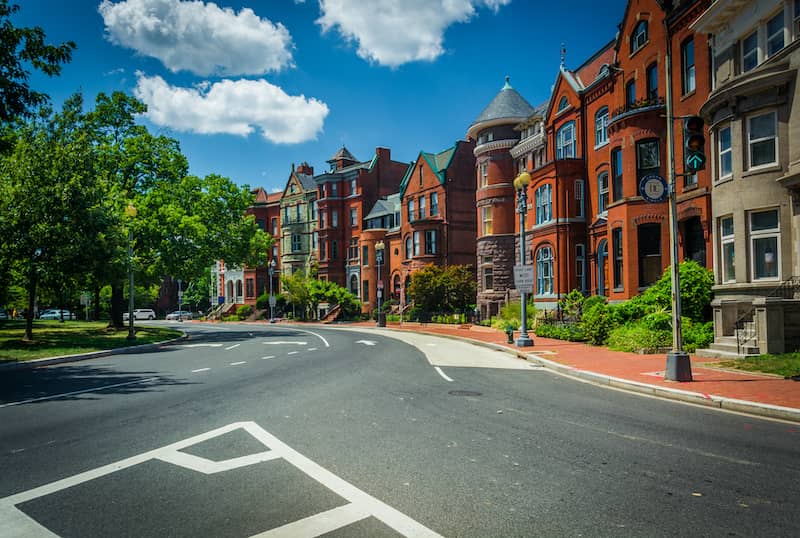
[[565, 141], [648, 158], [690, 180], [353, 186], [601, 126], [334, 249], [334, 189], [616, 247], [488, 278], [416, 243], [334, 218], [649, 241], [297, 212], [630, 93], [354, 285], [422, 207], [775, 38], [262, 225], [249, 287], [651, 77], [750, 52], [364, 255], [544, 271], [486, 220], [687, 66], [764, 240], [727, 249], [616, 174], [274, 226], [639, 36], [286, 214], [410, 205], [580, 266], [323, 219], [314, 240], [365, 291], [602, 193], [484, 172], [579, 198], [352, 250], [544, 203], [353, 217], [762, 139], [430, 241], [434, 204], [420, 175], [323, 254], [563, 103], [725, 152], [274, 251], [314, 207], [408, 247], [296, 242]]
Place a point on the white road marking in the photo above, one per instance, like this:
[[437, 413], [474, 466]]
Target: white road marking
[[281, 342], [201, 370], [315, 334], [268, 357], [442, 374], [14, 522], [312, 349], [238, 363], [199, 345], [293, 352], [95, 389], [231, 347], [366, 342]]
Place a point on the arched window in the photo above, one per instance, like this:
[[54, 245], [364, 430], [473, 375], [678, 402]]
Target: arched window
[[544, 271], [544, 203], [396, 286], [563, 103], [565, 141], [601, 126], [354, 285], [239, 290], [602, 266], [639, 36], [408, 247]]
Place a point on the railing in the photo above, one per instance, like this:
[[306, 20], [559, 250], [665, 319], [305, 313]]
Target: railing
[[639, 105], [788, 289]]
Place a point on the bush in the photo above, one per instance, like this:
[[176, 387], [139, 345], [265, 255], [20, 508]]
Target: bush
[[571, 305], [696, 282], [244, 312], [512, 313], [635, 337], [567, 331], [597, 322], [658, 321], [696, 335], [592, 300]]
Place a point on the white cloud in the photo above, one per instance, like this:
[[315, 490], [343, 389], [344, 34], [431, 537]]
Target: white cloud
[[392, 33], [237, 107], [198, 37]]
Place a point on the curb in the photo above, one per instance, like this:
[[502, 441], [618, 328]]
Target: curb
[[49, 361], [719, 402]]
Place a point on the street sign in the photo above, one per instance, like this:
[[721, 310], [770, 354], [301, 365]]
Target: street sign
[[85, 299], [272, 301], [380, 284], [523, 278], [380, 293], [653, 188]]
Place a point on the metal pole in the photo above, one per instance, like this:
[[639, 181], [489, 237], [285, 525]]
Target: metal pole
[[180, 301], [522, 205], [679, 366], [271, 299], [131, 331]]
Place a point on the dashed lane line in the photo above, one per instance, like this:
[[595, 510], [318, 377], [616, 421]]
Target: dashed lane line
[[267, 357], [293, 353], [312, 349], [238, 363], [63, 394], [231, 347], [201, 370]]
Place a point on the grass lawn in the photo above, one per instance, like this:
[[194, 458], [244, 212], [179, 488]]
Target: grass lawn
[[787, 364], [54, 339]]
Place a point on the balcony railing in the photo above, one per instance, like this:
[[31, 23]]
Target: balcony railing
[[636, 107]]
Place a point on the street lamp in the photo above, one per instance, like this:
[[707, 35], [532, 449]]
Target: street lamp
[[130, 212], [521, 185], [379, 261], [271, 271]]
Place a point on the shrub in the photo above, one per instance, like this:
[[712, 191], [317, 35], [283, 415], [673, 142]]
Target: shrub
[[696, 335], [513, 313], [635, 337], [597, 322], [244, 312], [567, 331], [572, 305], [592, 300], [658, 321], [696, 282]]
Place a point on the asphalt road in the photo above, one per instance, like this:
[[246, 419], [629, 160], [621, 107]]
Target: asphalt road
[[273, 430]]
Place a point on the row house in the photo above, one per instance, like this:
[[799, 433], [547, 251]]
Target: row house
[[754, 115], [298, 221], [586, 150]]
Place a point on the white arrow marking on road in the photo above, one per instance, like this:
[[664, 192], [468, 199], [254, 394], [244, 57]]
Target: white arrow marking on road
[[366, 342], [281, 342]]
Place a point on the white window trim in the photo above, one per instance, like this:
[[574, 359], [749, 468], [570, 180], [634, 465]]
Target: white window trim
[[749, 142], [786, 37], [540, 279], [562, 145], [600, 191], [758, 50], [763, 234], [484, 173], [601, 127], [725, 240], [720, 152], [580, 258], [416, 243], [486, 216]]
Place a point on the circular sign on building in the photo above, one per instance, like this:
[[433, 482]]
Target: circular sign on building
[[653, 188]]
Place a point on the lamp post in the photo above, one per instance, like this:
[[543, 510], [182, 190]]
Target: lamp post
[[130, 212], [521, 185], [381, 319], [271, 272]]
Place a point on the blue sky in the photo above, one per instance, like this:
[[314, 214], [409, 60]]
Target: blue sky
[[250, 87]]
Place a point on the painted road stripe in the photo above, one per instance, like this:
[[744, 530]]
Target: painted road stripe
[[312, 349], [199, 345], [281, 342], [442, 374], [315, 334], [201, 370], [268, 357], [238, 363], [293, 353], [231, 347], [95, 389], [319, 524]]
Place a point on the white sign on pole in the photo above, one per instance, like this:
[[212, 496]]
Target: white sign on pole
[[272, 301], [523, 278]]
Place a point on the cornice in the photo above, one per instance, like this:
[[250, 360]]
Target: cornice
[[495, 145], [528, 144]]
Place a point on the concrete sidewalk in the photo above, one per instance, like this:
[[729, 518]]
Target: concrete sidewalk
[[759, 394]]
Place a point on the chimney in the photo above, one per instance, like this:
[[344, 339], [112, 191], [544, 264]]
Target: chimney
[[305, 168]]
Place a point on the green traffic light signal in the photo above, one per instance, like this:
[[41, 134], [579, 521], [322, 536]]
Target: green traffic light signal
[[694, 141]]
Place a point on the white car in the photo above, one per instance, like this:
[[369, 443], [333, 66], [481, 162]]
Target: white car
[[179, 315], [141, 313], [54, 313]]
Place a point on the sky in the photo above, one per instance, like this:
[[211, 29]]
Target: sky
[[250, 87]]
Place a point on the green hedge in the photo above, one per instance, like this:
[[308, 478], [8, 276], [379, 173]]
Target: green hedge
[[569, 332]]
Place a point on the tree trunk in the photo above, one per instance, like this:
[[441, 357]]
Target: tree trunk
[[31, 304], [96, 303], [117, 304]]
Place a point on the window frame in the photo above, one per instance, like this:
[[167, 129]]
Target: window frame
[[297, 242], [601, 127], [688, 70], [580, 194], [434, 209], [616, 179], [415, 235], [410, 209], [750, 142], [781, 33], [630, 93], [651, 78], [544, 271], [580, 265], [353, 217], [617, 260], [745, 54], [602, 194], [722, 152], [365, 255], [486, 217], [562, 144], [769, 233], [639, 36], [483, 171], [543, 197], [563, 104], [724, 241], [430, 242], [422, 206]]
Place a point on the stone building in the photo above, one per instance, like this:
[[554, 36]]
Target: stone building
[[298, 221]]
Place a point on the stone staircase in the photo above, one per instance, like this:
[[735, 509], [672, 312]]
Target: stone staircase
[[738, 346]]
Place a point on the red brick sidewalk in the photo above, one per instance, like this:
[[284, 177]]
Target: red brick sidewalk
[[708, 383]]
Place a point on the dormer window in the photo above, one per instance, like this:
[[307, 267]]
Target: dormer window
[[639, 36], [563, 103]]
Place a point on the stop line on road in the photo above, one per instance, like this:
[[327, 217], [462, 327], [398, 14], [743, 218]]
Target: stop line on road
[[360, 505]]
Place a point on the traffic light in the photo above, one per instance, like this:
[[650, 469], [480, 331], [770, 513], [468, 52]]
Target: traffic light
[[694, 141]]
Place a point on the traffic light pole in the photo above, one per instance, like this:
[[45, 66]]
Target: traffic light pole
[[679, 366]]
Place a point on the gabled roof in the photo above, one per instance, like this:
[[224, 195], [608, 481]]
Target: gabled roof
[[438, 162], [506, 105], [385, 206], [342, 154], [307, 181]]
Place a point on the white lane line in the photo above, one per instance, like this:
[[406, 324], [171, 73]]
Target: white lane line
[[199, 345], [281, 342], [268, 357], [319, 524], [95, 389], [201, 370], [238, 363], [312, 349], [315, 334], [231, 347], [442, 374], [293, 353]]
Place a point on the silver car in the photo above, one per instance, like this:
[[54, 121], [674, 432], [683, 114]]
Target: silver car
[[55, 313], [179, 315]]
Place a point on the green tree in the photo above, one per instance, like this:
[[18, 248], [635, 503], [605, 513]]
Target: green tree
[[443, 289], [295, 287]]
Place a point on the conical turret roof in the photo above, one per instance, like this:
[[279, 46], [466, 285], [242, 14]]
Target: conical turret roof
[[508, 104]]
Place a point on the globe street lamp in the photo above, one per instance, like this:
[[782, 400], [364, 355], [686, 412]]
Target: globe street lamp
[[130, 212], [379, 261], [521, 185], [271, 272]]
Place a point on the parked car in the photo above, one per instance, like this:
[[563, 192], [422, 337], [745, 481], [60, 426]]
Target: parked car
[[55, 313], [141, 313], [3, 314], [179, 315]]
